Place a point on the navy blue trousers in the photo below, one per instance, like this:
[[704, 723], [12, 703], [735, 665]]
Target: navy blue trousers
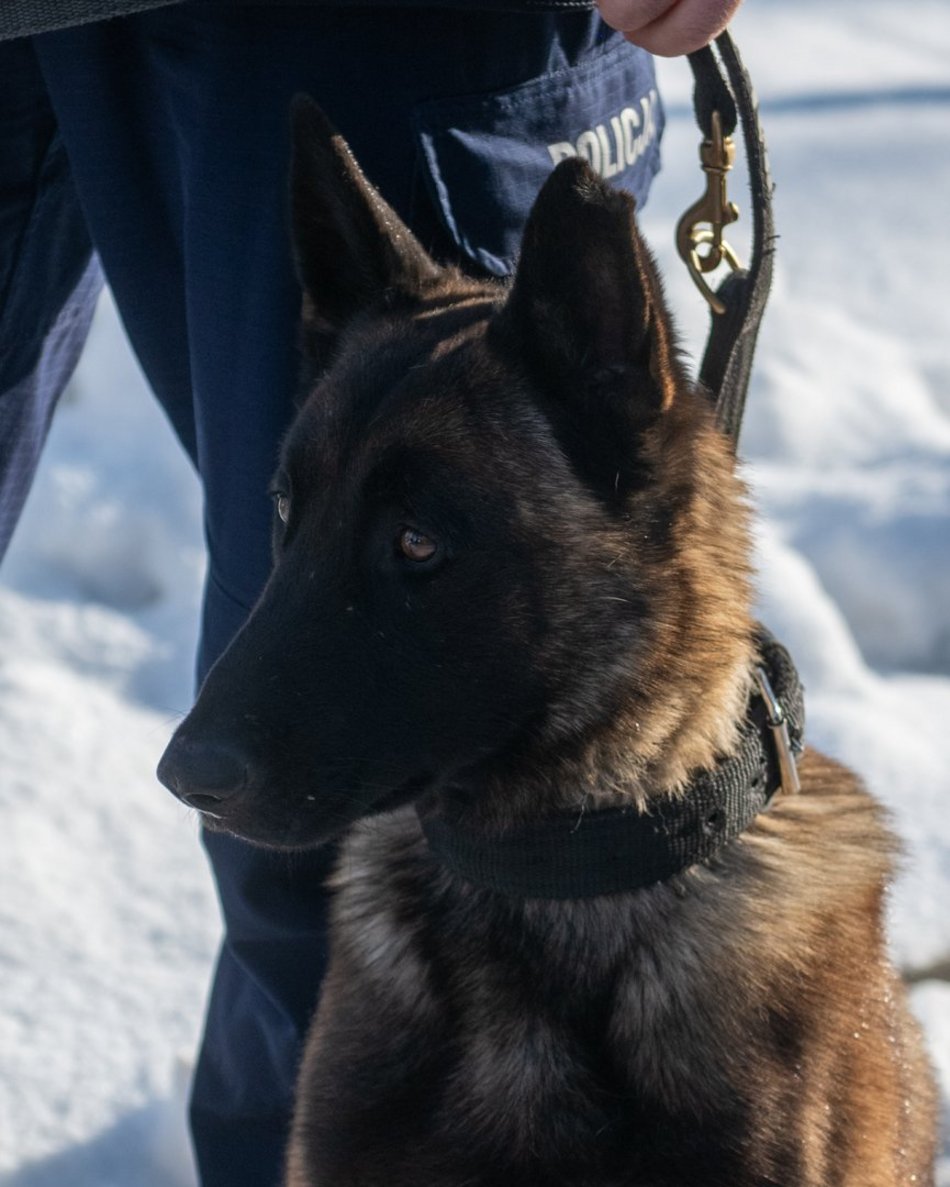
[[162, 139]]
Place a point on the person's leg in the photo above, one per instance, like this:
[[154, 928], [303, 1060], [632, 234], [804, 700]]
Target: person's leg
[[49, 279], [177, 127]]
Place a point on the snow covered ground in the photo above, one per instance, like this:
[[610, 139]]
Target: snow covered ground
[[107, 915]]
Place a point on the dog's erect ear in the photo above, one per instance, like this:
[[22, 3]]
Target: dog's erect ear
[[586, 312], [350, 246]]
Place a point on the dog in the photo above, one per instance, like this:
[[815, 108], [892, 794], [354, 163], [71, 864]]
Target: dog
[[510, 602]]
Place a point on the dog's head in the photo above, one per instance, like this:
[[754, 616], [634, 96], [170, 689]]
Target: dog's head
[[504, 526]]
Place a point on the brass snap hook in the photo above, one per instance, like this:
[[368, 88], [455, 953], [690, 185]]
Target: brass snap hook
[[699, 238]]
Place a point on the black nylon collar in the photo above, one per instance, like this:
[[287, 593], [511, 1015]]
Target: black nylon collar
[[618, 849]]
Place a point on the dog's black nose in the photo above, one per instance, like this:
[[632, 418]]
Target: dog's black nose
[[205, 775]]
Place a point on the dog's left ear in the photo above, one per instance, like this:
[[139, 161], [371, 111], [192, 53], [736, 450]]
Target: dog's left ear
[[351, 247], [586, 313]]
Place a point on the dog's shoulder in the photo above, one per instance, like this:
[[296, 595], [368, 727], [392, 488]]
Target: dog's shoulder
[[834, 833]]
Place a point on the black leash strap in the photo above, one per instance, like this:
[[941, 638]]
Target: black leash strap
[[723, 98]]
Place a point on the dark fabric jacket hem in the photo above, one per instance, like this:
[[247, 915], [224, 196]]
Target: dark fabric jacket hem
[[22, 18]]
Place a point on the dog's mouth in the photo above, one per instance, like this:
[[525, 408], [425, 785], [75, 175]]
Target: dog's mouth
[[264, 813]]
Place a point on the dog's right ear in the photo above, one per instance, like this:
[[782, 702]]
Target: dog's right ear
[[587, 316], [350, 246]]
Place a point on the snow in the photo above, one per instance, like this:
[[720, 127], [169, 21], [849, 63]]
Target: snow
[[107, 917]]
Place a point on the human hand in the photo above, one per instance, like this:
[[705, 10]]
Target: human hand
[[669, 27]]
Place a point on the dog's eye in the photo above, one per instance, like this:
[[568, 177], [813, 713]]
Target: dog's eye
[[416, 546], [282, 503]]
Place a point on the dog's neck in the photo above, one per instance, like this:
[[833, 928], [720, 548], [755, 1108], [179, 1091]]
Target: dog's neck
[[592, 845], [644, 753]]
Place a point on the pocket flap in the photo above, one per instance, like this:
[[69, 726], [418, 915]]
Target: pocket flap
[[487, 156]]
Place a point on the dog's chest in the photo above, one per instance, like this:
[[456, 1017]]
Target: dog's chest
[[484, 1035]]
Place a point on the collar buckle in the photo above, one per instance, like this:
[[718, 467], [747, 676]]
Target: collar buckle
[[778, 724]]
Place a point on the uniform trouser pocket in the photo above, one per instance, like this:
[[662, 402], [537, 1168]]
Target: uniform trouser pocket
[[486, 156]]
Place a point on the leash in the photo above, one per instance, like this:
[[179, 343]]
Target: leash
[[724, 97], [610, 850]]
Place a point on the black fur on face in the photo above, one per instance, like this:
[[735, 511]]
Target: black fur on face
[[364, 674], [463, 510]]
